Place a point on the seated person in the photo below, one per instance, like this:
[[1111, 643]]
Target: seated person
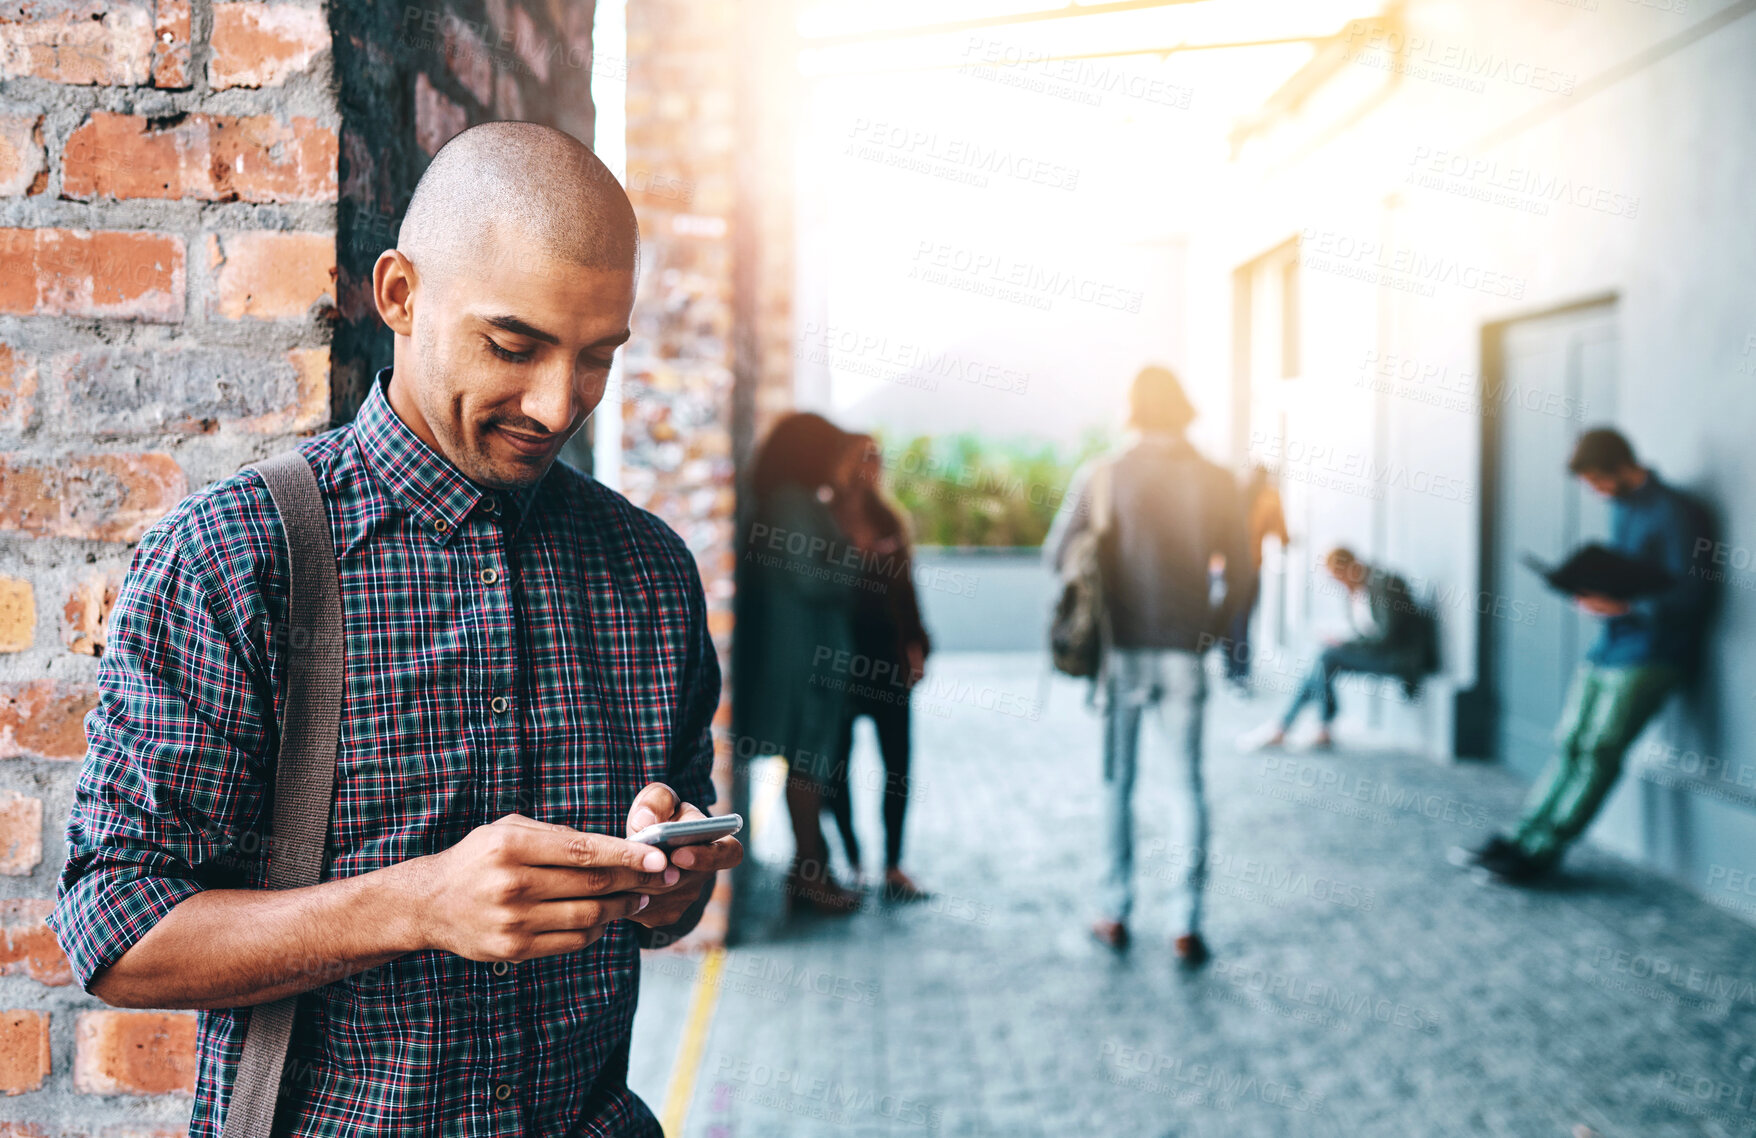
[[1389, 634]]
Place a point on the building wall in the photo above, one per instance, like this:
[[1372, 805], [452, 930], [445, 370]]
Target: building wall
[[173, 180], [1477, 163]]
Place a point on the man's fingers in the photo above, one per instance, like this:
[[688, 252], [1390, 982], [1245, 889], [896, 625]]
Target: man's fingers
[[546, 883], [577, 916], [655, 803], [710, 858], [578, 849]]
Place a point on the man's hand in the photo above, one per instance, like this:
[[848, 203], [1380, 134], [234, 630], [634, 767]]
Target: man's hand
[[519, 889], [1599, 605], [670, 901]]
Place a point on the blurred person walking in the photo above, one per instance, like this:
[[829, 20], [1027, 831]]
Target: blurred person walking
[[1646, 648], [1264, 518], [892, 642], [1392, 635], [795, 610], [1160, 512]]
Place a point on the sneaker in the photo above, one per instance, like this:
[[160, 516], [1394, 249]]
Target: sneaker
[[1495, 848], [1322, 741], [1268, 737], [1191, 950], [1110, 934], [1516, 868]]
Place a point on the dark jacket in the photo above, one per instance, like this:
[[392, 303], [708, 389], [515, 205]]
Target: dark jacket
[[1171, 512], [797, 580]]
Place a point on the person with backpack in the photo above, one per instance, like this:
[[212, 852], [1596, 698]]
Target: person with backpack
[[1132, 544], [1393, 635]]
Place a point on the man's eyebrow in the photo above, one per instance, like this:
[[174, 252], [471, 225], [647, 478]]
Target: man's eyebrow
[[519, 328]]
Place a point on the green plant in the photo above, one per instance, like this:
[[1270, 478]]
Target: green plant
[[967, 490]]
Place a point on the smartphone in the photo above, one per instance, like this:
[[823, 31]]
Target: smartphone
[[694, 832]]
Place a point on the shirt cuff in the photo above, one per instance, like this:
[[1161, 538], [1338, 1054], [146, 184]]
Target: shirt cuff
[[104, 913]]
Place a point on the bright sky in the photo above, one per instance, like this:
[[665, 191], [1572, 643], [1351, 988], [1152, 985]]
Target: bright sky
[[996, 234]]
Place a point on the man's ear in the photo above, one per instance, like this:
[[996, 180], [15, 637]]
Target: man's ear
[[393, 291]]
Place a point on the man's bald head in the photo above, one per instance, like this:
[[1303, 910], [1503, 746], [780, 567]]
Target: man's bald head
[[505, 188]]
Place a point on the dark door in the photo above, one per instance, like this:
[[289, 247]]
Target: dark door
[[1556, 376]]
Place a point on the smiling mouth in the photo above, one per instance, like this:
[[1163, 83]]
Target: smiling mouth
[[529, 444]]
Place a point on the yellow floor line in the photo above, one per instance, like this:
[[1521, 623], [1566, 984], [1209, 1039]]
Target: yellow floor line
[[689, 1052], [705, 997]]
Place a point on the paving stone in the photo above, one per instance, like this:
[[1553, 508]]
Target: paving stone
[[1399, 998]]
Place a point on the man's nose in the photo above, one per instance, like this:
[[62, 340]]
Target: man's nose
[[551, 401]]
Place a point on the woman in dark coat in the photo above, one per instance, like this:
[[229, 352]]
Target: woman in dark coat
[[892, 645], [797, 576]]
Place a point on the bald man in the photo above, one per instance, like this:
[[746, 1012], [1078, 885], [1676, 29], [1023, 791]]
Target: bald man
[[529, 680]]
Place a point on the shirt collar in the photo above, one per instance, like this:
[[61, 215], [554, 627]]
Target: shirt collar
[[418, 480]]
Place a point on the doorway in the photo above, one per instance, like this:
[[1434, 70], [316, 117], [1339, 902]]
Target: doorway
[[1545, 378]]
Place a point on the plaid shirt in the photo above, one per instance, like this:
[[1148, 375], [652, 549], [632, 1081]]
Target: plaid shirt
[[543, 652]]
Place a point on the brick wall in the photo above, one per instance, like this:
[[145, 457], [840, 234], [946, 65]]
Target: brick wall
[[168, 192], [175, 302]]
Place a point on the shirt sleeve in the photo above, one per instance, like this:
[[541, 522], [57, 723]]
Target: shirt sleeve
[[691, 774], [1680, 536], [1071, 520], [167, 800]]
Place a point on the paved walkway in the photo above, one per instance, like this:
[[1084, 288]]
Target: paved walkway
[[1360, 986]]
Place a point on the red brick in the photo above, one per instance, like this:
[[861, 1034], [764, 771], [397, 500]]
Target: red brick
[[466, 57], [45, 718], [103, 42], [28, 946], [18, 614], [23, 169], [79, 272], [21, 833], [309, 410], [24, 1130], [86, 615], [256, 158], [437, 118], [171, 44], [18, 386], [270, 275], [134, 1053], [191, 389], [24, 1050], [104, 497], [261, 45]]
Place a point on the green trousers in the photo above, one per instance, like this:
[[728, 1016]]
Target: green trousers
[[1606, 710]]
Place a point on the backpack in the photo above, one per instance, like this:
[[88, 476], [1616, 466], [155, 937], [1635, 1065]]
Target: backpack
[[1079, 626]]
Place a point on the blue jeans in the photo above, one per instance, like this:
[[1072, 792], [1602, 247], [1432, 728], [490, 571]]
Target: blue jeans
[[1319, 685], [1174, 682]]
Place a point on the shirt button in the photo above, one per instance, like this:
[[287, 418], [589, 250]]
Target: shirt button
[[441, 526], [490, 575], [499, 704], [492, 504], [503, 1091], [501, 968]]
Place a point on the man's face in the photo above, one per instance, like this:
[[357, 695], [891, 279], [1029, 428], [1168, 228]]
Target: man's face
[[511, 355], [1607, 483]]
